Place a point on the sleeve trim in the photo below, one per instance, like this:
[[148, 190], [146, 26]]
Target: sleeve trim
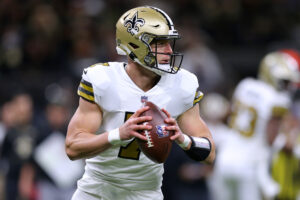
[[198, 96], [86, 91], [86, 83], [87, 99], [85, 96]]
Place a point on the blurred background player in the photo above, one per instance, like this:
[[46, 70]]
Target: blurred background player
[[285, 166], [258, 107], [107, 122]]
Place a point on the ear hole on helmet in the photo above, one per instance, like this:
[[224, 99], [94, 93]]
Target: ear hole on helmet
[[133, 45], [283, 84]]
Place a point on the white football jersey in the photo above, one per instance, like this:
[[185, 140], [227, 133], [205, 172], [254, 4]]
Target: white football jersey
[[254, 103], [109, 86]]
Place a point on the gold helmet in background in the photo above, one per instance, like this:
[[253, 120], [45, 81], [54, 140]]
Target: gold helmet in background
[[138, 28], [280, 68]]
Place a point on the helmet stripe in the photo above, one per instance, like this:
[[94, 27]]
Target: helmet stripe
[[170, 22]]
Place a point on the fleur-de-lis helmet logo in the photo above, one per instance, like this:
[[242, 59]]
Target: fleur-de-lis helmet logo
[[133, 23]]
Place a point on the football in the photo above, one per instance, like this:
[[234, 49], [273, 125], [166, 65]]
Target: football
[[158, 144]]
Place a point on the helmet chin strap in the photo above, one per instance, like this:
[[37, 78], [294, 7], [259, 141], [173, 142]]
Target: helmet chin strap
[[165, 67]]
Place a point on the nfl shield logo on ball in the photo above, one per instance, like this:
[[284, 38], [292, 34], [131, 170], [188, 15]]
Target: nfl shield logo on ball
[[161, 131]]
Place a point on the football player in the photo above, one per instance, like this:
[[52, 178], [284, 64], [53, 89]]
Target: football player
[[258, 107], [286, 159], [106, 124]]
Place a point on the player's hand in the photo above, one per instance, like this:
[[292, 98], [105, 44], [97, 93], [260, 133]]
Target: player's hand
[[173, 126], [135, 124]]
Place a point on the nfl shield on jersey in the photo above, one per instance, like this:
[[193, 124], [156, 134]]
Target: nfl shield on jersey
[[109, 86]]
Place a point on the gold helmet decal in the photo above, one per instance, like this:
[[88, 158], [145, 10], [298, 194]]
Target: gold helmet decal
[[132, 24]]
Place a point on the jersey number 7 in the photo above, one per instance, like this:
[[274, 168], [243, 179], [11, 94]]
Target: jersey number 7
[[131, 150]]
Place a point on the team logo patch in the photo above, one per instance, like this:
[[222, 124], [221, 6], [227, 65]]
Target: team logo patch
[[133, 23], [144, 99], [161, 131]]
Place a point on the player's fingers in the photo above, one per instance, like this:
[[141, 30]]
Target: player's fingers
[[141, 127], [166, 112], [172, 128], [170, 121], [175, 136], [139, 120], [140, 111], [139, 135]]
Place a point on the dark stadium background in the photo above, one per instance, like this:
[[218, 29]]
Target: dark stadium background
[[44, 44]]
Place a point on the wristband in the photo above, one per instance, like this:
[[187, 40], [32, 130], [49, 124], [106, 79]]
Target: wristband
[[186, 142], [201, 143], [114, 137], [200, 149]]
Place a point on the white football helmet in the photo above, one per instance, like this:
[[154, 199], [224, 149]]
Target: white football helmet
[[138, 28], [280, 68]]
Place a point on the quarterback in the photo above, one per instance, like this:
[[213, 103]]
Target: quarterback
[[105, 126]]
